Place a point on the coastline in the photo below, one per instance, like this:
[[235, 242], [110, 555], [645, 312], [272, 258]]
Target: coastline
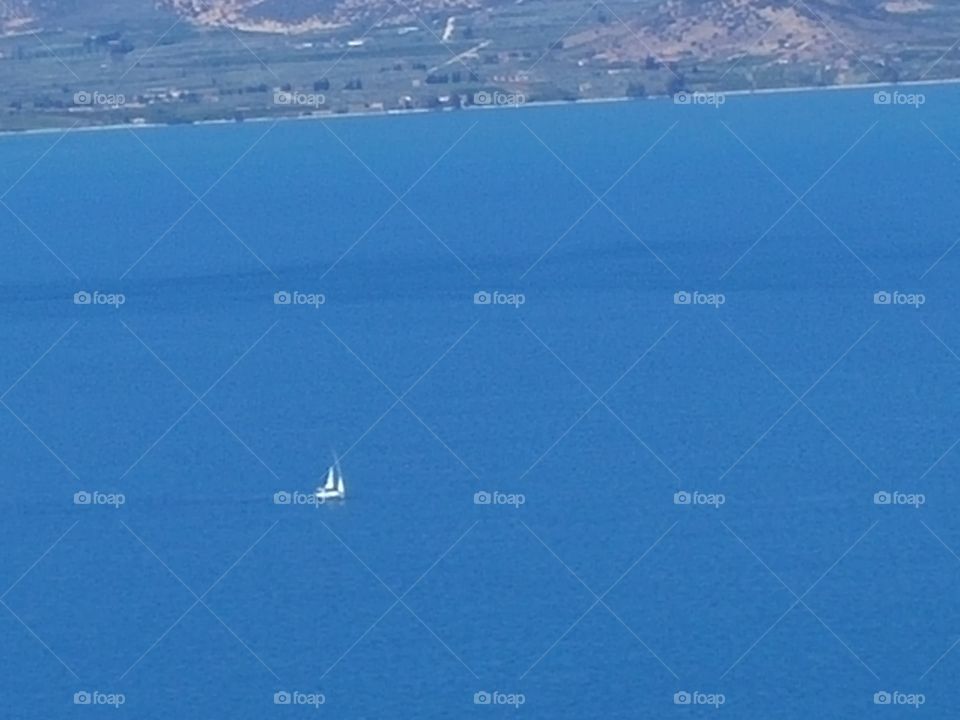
[[63, 130]]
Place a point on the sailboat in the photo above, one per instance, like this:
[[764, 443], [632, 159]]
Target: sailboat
[[333, 488]]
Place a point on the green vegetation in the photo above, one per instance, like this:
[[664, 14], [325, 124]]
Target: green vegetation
[[130, 62]]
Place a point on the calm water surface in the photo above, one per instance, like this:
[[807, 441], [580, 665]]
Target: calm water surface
[[597, 399]]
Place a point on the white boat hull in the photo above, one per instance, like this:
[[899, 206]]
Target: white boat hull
[[329, 495]]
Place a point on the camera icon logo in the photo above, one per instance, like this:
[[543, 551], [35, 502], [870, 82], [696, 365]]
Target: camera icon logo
[[682, 98], [682, 498], [82, 98], [882, 698], [482, 98], [882, 498], [281, 97], [482, 697], [282, 297], [281, 498], [882, 298], [82, 298], [682, 698], [82, 698], [882, 98], [682, 298], [482, 298], [482, 498], [282, 697], [82, 498]]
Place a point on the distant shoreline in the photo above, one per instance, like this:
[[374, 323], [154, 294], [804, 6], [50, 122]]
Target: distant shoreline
[[472, 108]]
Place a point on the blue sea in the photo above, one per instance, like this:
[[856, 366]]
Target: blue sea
[[644, 409]]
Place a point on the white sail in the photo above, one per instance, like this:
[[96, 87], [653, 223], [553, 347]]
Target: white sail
[[333, 489]]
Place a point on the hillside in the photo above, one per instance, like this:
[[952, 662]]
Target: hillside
[[190, 60], [299, 16]]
